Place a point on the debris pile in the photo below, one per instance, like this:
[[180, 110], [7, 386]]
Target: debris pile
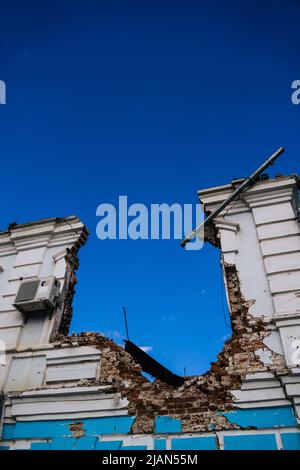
[[198, 401]]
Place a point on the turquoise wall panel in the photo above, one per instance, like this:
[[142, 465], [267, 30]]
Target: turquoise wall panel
[[282, 416], [250, 442], [60, 428], [165, 424], [160, 444], [133, 448], [194, 443], [291, 441], [108, 445], [40, 446]]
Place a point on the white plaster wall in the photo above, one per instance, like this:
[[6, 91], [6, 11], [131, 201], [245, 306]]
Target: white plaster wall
[[265, 248], [249, 262], [32, 251]]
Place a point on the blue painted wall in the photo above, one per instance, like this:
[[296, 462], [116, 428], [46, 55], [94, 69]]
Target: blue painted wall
[[281, 416], [57, 434], [160, 444], [250, 442], [291, 441], [60, 428], [165, 424], [195, 443]]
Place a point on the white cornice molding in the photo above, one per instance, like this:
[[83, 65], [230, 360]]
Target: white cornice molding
[[226, 225], [48, 232], [262, 189]]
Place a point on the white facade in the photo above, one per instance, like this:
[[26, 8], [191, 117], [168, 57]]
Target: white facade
[[260, 235], [47, 379]]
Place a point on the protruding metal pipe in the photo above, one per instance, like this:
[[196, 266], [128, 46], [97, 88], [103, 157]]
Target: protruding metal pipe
[[246, 184], [126, 324]]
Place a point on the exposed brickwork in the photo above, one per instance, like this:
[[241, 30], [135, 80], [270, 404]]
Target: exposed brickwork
[[211, 234], [200, 400], [77, 429], [64, 315]]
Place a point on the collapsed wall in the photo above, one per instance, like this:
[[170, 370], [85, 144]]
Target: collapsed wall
[[199, 400], [83, 377]]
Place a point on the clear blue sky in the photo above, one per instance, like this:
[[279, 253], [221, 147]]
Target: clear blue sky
[[153, 99]]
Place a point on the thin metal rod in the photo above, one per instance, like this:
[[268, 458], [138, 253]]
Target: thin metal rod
[[246, 184], [126, 324]]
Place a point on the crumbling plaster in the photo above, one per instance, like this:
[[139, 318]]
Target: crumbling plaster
[[255, 346], [200, 400]]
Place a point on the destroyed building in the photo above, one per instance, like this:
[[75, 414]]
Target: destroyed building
[[85, 392]]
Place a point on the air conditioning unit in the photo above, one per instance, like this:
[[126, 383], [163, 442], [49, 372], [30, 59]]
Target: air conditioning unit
[[38, 295]]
